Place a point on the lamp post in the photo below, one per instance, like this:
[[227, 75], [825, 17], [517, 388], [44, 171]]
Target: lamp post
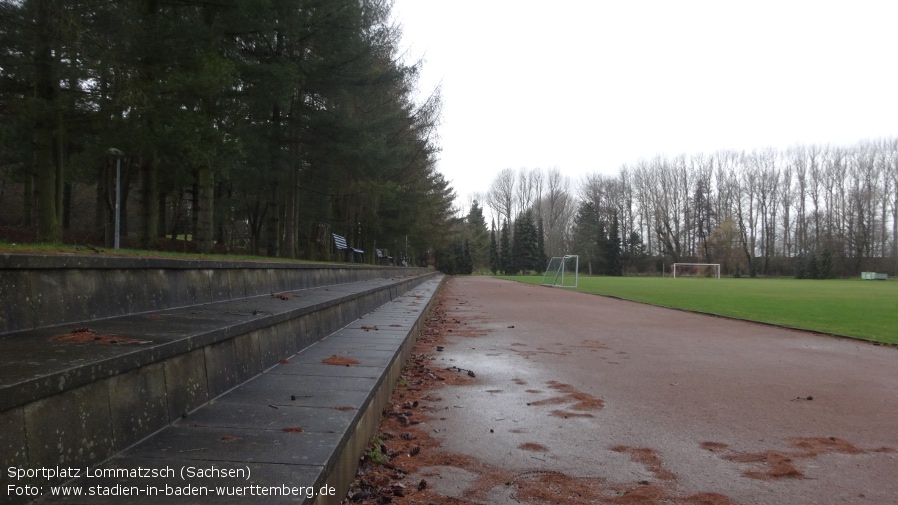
[[118, 193]]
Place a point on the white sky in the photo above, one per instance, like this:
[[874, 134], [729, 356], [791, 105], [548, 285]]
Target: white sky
[[586, 86]]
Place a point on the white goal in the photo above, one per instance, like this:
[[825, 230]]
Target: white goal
[[696, 270], [562, 271]]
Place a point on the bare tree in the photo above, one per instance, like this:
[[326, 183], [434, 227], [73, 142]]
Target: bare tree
[[559, 206], [524, 190], [787, 194], [767, 206], [500, 196]]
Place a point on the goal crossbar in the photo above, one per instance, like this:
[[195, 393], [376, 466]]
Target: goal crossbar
[[675, 265], [562, 271]]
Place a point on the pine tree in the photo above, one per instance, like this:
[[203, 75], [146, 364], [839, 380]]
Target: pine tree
[[613, 249], [300, 120], [505, 261], [826, 265], [542, 261], [529, 244], [601, 259], [517, 243], [524, 248], [494, 249], [811, 269], [466, 266], [585, 237], [478, 235], [635, 252], [798, 267]]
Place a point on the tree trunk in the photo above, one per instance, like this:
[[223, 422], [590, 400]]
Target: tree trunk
[[101, 213], [45, 90], [28, 198], [273, 222], [149, 210], [205, 223], [161, 209]]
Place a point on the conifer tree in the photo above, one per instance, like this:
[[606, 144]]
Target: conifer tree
[[613, 249], [812, 270], [585, 236], [542, 261], [478, 235], [525, 247], [505, 260], [826, 265], [494, 249], [466, 265]]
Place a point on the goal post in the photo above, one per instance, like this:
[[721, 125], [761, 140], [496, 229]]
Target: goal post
[[696, 270], [562, 271]]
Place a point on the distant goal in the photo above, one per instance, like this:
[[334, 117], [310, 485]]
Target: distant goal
[[562, 271], [711, 270]]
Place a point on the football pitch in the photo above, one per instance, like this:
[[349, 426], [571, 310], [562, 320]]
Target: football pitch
[[856, 308]]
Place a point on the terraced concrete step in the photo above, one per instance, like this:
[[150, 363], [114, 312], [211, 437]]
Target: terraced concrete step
[[65, 403], [41, 362], [291, 435]]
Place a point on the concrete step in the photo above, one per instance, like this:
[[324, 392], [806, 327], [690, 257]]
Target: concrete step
[[293, 434], [74, 394], [46, 290]]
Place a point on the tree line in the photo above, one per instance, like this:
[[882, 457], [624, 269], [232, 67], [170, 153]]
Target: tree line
[[266, 124], [808, 211]]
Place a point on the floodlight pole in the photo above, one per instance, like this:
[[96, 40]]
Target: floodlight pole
[[118, 194]]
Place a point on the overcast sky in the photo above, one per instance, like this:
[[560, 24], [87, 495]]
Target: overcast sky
[[587, 86]]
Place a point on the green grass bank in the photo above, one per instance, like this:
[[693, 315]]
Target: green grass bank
[[855, 308]]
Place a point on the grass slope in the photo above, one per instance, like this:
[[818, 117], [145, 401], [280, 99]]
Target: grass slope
[[7, 247], [855, 308]]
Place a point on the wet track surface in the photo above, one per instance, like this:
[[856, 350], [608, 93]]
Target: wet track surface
[[626, 403]]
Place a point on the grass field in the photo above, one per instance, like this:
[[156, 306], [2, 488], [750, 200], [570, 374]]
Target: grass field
[[864, 309]]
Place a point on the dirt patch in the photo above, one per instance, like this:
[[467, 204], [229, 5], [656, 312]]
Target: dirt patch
[[580, 401], [533, 446], [775, 465], [713, 446], [646, 457], [771, 465], [340, 361], [88, 336], [556, 488], [555, 400], [641, 494], [707, 499], [815, 446], [566, 414]]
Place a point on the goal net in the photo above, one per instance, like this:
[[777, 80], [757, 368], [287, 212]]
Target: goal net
[[562, 271], [696, 270]]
